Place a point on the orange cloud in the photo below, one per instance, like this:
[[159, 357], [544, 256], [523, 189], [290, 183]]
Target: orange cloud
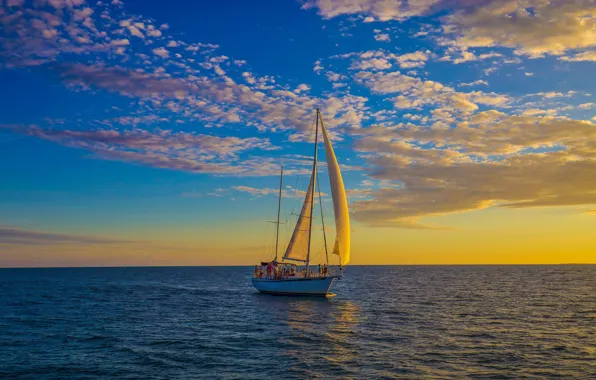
[[512, 162]]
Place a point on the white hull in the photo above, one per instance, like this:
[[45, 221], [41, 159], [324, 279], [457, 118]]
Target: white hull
[[315, 286]]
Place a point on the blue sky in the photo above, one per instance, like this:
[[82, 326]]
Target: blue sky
[[145, 120]]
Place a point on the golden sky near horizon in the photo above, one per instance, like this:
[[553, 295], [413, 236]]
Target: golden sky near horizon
[[537, 236]]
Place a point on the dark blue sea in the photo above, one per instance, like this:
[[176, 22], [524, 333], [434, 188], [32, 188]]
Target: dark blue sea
[[400, 322]]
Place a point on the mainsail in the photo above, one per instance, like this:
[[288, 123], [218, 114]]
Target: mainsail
[[340, 202], [298, 247]]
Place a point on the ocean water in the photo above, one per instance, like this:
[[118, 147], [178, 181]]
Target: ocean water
[[402, 322]]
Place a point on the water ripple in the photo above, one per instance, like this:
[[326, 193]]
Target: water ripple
[[497, 322]]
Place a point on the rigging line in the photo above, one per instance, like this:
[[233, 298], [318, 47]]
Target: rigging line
[[287, 233], [317, 256]]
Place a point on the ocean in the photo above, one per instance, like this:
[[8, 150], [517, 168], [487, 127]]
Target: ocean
[[393, 322]]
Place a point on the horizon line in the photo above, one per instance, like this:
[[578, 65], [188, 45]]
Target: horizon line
[[249, 266]]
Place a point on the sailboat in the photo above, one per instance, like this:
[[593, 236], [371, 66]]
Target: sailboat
[[286, 278]]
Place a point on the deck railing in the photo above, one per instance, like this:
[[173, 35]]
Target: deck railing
[[321, 272]]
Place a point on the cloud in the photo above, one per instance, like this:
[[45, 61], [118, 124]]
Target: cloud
[[288, 192], [380, 36], [510, 162], [268, 191], [60, 4], [17, 236], [318, 68], [162, 52], [410, 60], [585, 56], [475, 83], [416, 93], [216, 193], [125, 81], [255, 191], [465, 55], [489, 98], [486, 117], [163, 149], [554, 94], [387, 83], [538, 112], [376, 60], [88, 48], [215, 100], [531, 27], [122, 42], [32, 35], [134, 29], [381, 10], [383, 60], [334, 77]]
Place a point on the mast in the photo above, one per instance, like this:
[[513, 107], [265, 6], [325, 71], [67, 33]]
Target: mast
[[281, 176], [312, 195]]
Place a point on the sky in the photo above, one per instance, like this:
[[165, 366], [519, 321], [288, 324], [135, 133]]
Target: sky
[[145, 132]]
